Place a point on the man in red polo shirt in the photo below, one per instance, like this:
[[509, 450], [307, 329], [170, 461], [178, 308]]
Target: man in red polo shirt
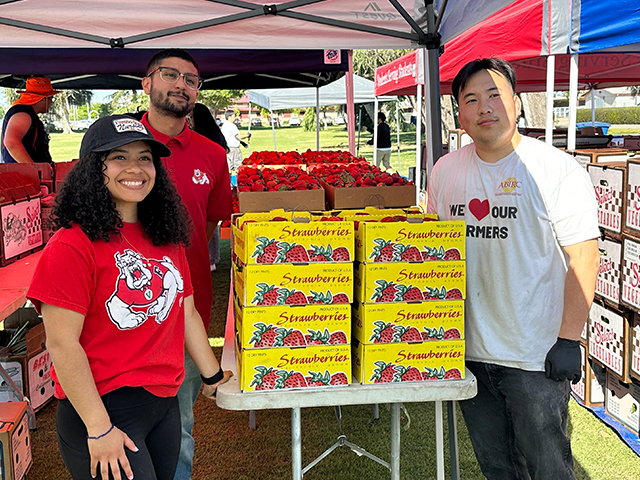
[[198, 167]]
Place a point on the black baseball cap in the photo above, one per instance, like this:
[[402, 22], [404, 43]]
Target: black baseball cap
[[113, 131]]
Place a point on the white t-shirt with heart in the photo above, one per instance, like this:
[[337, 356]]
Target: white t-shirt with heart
[[519, 212]]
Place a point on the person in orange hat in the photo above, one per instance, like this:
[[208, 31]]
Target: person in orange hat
[[24, 138]]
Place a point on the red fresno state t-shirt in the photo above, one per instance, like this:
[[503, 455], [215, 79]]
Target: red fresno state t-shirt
[[132, 296]]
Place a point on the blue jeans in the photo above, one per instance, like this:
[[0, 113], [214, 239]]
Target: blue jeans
[[187, 396], [517, 424]]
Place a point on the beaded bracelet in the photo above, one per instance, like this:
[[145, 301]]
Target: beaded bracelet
[[103, 435], [213, 380]]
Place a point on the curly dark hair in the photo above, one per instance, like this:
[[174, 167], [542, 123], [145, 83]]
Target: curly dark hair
[[84, 199]]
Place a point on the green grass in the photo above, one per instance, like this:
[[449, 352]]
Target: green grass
[[623, 131]]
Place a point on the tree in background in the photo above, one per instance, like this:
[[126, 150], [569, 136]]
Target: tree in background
[[218, 100]]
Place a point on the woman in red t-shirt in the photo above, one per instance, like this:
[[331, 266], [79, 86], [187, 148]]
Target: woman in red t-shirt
[[115, 294]]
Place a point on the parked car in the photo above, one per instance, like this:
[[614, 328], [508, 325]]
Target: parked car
[[328, 120], [238, 121], [274, 120], [294, 122], [340, 120], [256, 122]]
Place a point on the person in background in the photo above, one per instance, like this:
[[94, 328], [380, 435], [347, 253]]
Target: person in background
[[118, 326], [24, 138], [383, 148], [198, 168], [201, 121], [532, 260], [234, 139]]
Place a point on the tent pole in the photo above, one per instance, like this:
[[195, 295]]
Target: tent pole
[[573, 100], [418, 141], [249, 132], [398, 130], [551, 71], [375, 131], [359, 130], [351, 127], [317, 118], [593, 107], [273, 130]]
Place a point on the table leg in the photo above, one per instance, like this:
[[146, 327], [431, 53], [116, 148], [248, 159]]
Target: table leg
[[395, 441], [439, 441], [453, 440], [296, 444]]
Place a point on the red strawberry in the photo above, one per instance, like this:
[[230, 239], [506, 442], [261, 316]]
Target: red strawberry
[[410, 293], [383, 333], [408, 253], [338, 337], [292, 253], [263, 336], [292, 297], [384, 251], [434, 294], [385, 292], [384, 373], [317, 337], [266, 295], [265, 378], [341, 254], [339, 378], [452, 374], [452, 254], [409, 374], [291, 379], [319, 254], [452, 334], [266, 251], [427, 376], [453, 294], [340, 298], [407, 334], [318, 379], [289, 338]]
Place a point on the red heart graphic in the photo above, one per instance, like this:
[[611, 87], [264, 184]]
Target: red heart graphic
[[479, 209]]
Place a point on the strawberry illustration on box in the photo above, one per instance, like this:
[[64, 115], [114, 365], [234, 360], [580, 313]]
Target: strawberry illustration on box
[[407, 362], [408, 322], [278, 368], [279, 326], [409, 282], [416, 239], [291, 284]]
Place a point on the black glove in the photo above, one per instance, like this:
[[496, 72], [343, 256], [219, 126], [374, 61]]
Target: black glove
[[243, 144], [564, 361]]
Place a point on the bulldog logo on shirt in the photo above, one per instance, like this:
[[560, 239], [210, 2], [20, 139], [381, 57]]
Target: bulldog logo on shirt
[[199, 177], [145, 288]]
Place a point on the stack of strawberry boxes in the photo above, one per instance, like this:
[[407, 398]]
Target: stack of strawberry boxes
[[408, 319], [611, 342], [293, 285]]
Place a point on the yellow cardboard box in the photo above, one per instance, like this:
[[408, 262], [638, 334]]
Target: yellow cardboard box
[[408, 362], [291, 284], [293, 325], [410, 241], [278, 368], [408, 322], [409, 282]]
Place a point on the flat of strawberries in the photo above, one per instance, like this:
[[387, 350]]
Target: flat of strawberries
[[253, 179]]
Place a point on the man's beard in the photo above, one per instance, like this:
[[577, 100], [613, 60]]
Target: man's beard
[[163, 103]]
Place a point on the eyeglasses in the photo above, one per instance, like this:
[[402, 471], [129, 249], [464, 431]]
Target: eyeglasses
[[171, 75]]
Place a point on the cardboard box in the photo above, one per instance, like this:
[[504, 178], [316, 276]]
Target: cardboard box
[[631, 142], [402, 281], [631, 224], [46, 209], [609, 181], [433, 240], [402, 322], [15, 442], [360, 197], [61, 169], [408, 362], [264, 327], [31, 372], [458, 138], [585, 156], [623, 402], [590, 390], [264, 369], [287, 200], [634, 348], [630, 270], [265, 285], [608, 281], [268, 242], [609, 339]]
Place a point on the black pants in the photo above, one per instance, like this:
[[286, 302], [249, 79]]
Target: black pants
[[153, 423]]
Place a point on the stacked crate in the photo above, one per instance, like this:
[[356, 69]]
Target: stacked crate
[[293, 285], [409, 290]]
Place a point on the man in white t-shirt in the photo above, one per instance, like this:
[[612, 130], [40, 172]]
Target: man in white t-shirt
[[233, 138], [532, 263]]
